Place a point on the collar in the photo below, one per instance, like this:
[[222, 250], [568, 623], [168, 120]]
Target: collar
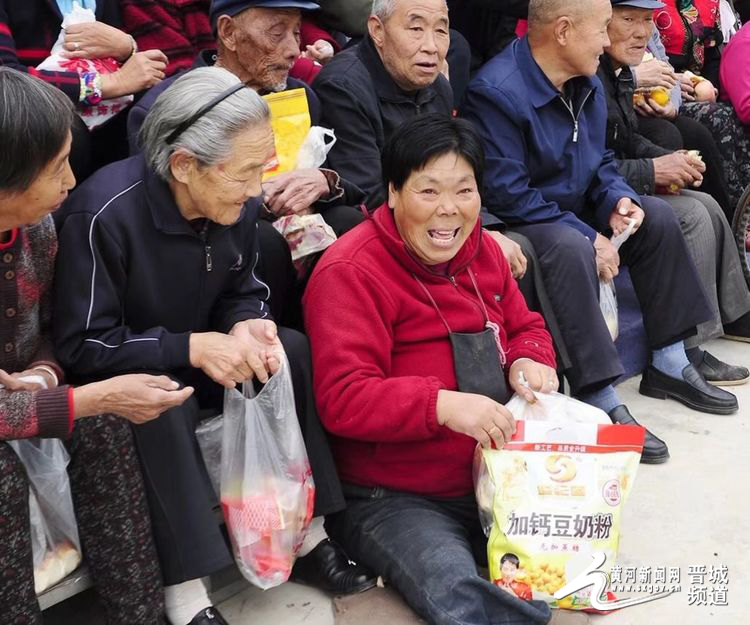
[[385, 225], [385, 87], [206, 58], [541, 89], [165, 213]]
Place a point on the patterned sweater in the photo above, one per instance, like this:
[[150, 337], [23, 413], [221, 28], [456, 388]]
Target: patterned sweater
[[26, 271]]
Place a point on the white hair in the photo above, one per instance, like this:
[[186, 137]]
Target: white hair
[[383, 9], [209, 138]]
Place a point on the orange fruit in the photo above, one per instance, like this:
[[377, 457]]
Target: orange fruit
[[660, 96]]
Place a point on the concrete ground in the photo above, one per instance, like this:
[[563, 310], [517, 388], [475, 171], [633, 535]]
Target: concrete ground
[[692, 511]]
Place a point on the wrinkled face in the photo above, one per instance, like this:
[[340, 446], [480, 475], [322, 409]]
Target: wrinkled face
[[267, 44], [437, 208], [413, 42], [219, 192], [45, 194], [508, 570], [629, 32], [590, 38]]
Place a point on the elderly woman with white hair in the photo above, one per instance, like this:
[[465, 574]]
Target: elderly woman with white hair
[[161, 253]]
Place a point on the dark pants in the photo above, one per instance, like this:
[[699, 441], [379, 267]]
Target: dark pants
[[113, 525], [686, 133], [668, 289], [429, 549], [180, 496]]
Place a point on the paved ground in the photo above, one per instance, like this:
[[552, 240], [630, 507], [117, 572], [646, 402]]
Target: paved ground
[[693, 511]]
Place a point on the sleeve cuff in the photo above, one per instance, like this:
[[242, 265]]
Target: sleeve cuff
[[176, 350], [432, 421], [54, 409]]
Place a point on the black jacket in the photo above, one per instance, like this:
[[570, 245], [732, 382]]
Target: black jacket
[[633, 151], [206, 58], [134, 278], [363, 105]]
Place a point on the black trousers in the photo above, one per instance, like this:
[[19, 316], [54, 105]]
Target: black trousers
[[181, 499], [689, 134], [665, 280]]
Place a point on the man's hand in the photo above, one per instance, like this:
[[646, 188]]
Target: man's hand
[[678, 169], [512, 252], [607, 258], [137, 397], [223, 358], [625, 213], [295, 192], [649, 108], [141, 71], [655, 73], [261, 339], [320, 51], [96, 40], [477, 416], [539, 378]]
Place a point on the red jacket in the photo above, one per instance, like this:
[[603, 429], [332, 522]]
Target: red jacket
[[685, 35], [381, 353]]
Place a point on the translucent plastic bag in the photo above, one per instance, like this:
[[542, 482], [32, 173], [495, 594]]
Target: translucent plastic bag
[[209, 435], [607, 293], [314, 150], [305, 234], [54, 533], [267, 490], [95, 115]]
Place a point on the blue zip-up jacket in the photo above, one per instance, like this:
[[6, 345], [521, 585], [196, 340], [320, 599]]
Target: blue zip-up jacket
[[546, 159], [134, 278]]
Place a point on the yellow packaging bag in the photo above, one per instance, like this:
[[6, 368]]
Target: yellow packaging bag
[[290, 121], [555, 494]]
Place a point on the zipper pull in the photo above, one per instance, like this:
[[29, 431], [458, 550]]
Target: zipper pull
[[575, 131], [209, 263], [452, 279]]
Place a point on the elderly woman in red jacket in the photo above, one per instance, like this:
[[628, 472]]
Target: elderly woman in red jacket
[[107, 487], [419, 334]]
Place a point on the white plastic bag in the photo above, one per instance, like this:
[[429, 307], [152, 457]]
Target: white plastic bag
[[209, 434], [314, 149], [97, 114], [607, 293], [55, 543], [267, 490]]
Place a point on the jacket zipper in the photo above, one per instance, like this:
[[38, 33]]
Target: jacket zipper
[[574, 115], [206, 247], [209, 263]]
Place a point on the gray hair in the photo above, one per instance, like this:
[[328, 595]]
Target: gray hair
[[35, 119], [383, 9], [210, 137]]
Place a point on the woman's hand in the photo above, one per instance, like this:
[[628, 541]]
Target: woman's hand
[[12, 381], [687, 87], [142, 71], [320, 51], [477, 416], [96, 40], [136, 397], [294, 192], [260, 338], [536, 377]]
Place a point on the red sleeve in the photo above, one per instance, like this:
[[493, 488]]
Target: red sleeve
[[527, 336], [311, 32], [735, 74], [348, 317], [68, 82], [25, 414]]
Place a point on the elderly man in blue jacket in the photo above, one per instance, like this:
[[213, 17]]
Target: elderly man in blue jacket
[[542, 114]]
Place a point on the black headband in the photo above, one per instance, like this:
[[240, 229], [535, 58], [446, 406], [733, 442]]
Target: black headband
[[202, 111]]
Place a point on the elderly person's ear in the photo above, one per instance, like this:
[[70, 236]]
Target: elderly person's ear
[[181, 164], [226, 31], [563, 28], [391, 194], [375, 28]]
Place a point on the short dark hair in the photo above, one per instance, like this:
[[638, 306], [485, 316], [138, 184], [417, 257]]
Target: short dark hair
[[422, 139], [512, 558], [35, 119]]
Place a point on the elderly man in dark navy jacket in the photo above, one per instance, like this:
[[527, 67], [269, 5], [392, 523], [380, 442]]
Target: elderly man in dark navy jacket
[[160, 274], [542, 114]]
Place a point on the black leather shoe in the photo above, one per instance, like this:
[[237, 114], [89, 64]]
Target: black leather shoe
[[654, 449], [738, 330], [692, 390], [209, 616], [717, 372], [327, 567]]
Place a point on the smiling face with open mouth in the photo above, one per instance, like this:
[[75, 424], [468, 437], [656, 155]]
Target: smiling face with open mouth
[[413, 42], [437, 208]]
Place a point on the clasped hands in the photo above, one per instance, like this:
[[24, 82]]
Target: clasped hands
[[251, 349]]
